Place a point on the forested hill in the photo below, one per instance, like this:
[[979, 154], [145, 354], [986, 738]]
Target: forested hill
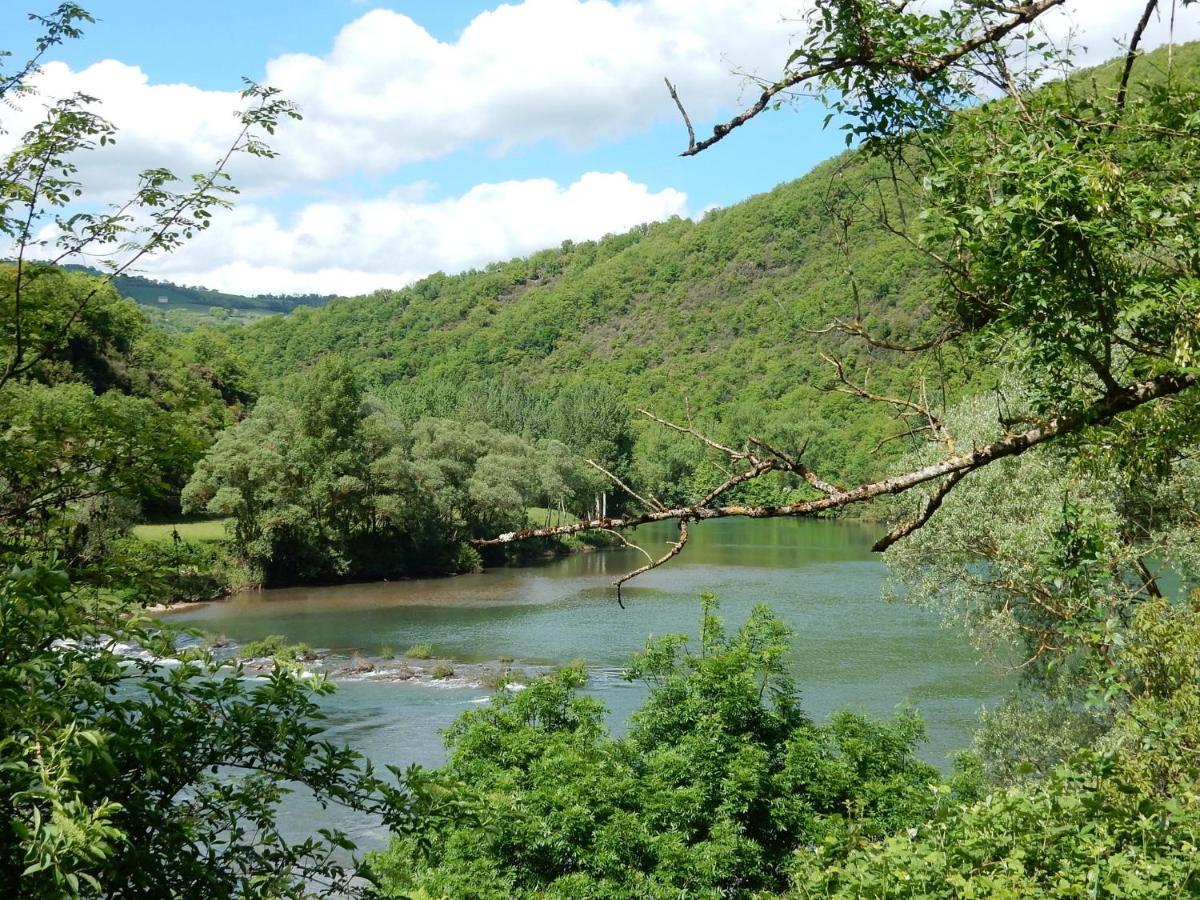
[[177, 307], [711, 321], [706, 319]]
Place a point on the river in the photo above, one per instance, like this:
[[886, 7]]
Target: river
[[850, 647]]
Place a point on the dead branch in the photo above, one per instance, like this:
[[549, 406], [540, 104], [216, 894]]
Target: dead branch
[[867, 58], [729, 451], [855, 328], [1100, 412], [796, 466], [904, 529], [1130, 57], [628, 544], [648, 504], [907, 408], [676, 547], [683, 112], [757, 470]]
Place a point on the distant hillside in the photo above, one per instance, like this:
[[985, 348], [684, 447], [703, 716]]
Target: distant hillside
[[710, 321], [182, 307], [703, 319]]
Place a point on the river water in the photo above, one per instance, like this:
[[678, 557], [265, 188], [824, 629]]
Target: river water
[[851, 648]]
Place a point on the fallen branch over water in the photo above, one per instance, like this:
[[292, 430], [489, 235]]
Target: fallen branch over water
[[762, 458]]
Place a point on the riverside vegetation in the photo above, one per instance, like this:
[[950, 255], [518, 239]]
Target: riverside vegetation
[[1040, 247]]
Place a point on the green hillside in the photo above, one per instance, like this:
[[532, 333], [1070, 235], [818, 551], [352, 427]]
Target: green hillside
[[703, 319], [710, 321], [176, 307]]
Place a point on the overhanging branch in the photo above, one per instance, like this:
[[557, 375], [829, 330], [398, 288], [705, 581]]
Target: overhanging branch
[[918, 70], [956, 466]]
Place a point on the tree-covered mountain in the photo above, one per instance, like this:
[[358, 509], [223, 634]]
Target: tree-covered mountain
[[716, 322], [176, 307], [709, 321]]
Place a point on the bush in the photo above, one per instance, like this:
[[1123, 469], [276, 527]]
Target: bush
[[441, 671], [419, 651], [720, 779], [164, 572], [120, 777], [276, 647], [1080, 833]]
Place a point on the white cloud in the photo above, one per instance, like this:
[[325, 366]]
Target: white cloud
[[387, 93], [355, 247], [574, 72]]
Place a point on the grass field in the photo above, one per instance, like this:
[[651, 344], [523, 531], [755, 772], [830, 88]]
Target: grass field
[[538, 517], [212, 530]]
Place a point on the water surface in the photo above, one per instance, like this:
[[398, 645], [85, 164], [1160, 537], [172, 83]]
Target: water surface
[[850, 647]]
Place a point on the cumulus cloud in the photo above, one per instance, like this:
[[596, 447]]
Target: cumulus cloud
[[355, 247], [387, 93], [576, 72]]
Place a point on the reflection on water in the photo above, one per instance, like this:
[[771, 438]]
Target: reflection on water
[[850, 647]]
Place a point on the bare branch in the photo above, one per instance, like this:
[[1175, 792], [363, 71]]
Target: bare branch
[[648, 504], [786, 463], [795, 465], [729, 451], [907, 408], [1100, 412], [1131, 56], [918, 72], [629, 545], [855, 328], [759, 469], [676, 547], [683, 112], [904, 529]]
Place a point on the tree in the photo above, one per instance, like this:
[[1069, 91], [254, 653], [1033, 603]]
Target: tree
[[330, 485], [129, 766], [720, 779], [142, 776], [1059, 217]]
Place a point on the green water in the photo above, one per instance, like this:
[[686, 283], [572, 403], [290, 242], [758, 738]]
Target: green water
[[850, 647]]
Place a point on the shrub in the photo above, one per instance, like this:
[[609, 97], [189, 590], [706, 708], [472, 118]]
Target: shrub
[[441, 671], [720, 779], [276, 647], [120, 777], [419, 651]]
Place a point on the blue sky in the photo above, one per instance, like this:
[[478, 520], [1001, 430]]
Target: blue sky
[[437, 135], [211, 45]]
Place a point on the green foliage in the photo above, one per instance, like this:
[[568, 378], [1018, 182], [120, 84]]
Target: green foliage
[[419, 651], [441, 671], [62, 445], [123, 774], [328, 485], [128, 766], [166, 572], [720, 778], [1080, 242], [1121, 820], [276, 647], [1045, 560], [696, 321], [1080, 833]]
